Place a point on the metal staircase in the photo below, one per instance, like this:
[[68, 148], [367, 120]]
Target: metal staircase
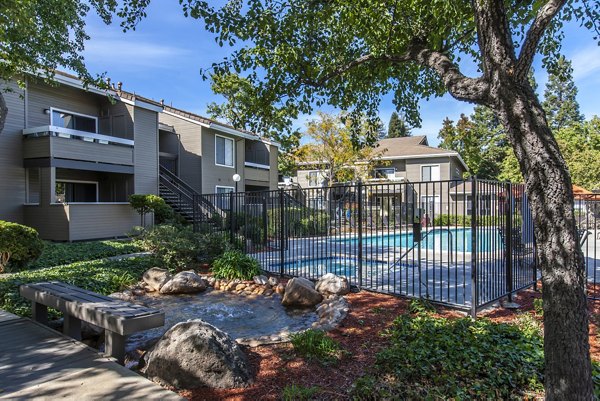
[[178, 194]]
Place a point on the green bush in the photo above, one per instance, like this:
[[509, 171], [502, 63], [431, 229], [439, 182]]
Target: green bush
[[19, 245], [211, 246], [177, 247], [465, 220], [55, 254], [299, 221], [144, 204], [315, 344], [436, 358], [299, 393], [163, 213], [101, 276], [234, 264]]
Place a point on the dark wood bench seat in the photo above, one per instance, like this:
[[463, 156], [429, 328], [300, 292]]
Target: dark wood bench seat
[[118, 318]]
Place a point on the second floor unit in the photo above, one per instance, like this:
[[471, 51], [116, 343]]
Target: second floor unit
[[71, 156]]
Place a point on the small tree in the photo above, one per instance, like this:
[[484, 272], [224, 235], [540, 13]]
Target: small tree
[[397, 128], [19, 244], [144, 204]]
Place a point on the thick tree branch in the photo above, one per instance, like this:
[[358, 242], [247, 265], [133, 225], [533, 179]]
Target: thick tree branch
[[534, 34]]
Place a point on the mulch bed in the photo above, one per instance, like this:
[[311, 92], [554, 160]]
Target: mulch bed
[[276, 366]]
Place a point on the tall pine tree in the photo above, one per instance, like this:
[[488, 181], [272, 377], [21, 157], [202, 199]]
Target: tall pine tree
[[560, 96], [397, 127]]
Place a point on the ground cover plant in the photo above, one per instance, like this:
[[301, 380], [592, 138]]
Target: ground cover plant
[[55, 254], [101, 276], [317, 345]]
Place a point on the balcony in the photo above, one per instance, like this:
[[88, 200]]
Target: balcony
[[257, 172], [51, 142]]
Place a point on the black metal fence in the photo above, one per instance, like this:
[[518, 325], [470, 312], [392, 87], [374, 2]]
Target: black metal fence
[[460, 243]]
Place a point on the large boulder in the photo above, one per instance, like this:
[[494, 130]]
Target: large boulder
[[196, 354], [260, 280], [155, 278], [184, 283], [330, 284], [301, 292]]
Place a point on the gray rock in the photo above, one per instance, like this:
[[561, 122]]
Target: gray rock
[[184, 283], [260, 280], [330, 284], [273, 281], [301, 292], [156, 277], [196, 354], [123, 296]]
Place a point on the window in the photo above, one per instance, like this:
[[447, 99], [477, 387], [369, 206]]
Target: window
[[313, 178], [76, 191], [33, 186], [387, 173], [430, 173], [79, 122], [223, 151], [224, 197]]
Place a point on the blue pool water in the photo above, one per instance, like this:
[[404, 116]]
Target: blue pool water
[[455, 239], [316, 267]]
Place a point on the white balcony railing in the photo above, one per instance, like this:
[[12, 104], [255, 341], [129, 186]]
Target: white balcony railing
[[257, 165], [51, 130]]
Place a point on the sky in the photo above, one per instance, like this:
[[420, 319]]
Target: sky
[[163, 57]]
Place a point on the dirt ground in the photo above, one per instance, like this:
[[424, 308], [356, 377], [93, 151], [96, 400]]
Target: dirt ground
[[275, 366]]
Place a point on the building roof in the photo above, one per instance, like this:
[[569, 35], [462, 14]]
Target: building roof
[[410, 146]]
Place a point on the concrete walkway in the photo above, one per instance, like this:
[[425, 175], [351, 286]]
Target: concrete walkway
[[39, 363]]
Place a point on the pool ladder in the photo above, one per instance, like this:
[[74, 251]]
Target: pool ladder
[[415, 243]]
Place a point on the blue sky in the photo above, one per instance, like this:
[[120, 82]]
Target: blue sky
[[163, 57]]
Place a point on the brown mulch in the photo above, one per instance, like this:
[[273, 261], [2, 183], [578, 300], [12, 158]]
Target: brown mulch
[[276, 366]]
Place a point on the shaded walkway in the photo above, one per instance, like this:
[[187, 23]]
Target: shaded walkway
[[37, 362]]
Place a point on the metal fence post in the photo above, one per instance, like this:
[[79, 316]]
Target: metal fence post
[[231, 219], [195, 223], [282, 231], [360, 234], [265, 217], [508, 240], [474, 289]]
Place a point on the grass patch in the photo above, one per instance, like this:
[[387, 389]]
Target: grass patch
[[299, 393], [437, 358], [56, 254], [101, 276], [316, 345]]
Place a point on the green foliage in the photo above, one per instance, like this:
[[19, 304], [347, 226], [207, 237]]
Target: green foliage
[[177, 247], [397, 127], [560, 96], [144, 204], [211, 246], [234, 264], [317, 345], [295, 392], [437, 358], [299, 221], [55, 254], [538, 306], [465, 220], [19, 245], [101, 276], [420, 306]]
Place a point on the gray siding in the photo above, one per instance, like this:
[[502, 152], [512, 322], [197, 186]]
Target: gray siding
[[12, 182], [73, 149], [101, 221], [146, 151], [190, 151], [51, 221], [213, 175]]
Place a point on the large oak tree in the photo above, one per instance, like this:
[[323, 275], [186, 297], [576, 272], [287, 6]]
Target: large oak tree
[[349, 53]]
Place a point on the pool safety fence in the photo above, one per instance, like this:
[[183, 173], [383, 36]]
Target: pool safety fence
[[464, 244]]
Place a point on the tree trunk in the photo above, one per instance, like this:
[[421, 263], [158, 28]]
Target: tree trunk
[[548, 186], [3, 111]]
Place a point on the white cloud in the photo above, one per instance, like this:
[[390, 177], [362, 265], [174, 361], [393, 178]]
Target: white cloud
[[586, 62]]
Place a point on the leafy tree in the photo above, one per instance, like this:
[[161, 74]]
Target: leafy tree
[[351, 53], [560, 103], [246, 108], [397, 127], [39, 36]]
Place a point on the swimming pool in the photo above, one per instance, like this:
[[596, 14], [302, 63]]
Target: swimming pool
[[338, 265], [455, 239]]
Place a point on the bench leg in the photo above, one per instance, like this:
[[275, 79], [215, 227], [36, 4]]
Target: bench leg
[[115, 346], [39, 312], [72, 327]]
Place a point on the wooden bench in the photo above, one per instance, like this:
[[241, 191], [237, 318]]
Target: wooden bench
[[118, 318]]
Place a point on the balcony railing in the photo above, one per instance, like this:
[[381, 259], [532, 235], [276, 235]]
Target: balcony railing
[[51, 130], [257, 165]]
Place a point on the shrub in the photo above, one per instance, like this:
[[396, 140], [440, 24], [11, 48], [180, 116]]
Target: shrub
[[55, 254], [212, 246], [315, 344], [177, 247], [436, 358], [234, 264], [20, 245], [299, 221], [101, 276], [299, 393], [163, 213]]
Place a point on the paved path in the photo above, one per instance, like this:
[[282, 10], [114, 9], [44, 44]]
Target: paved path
[[37, 362]]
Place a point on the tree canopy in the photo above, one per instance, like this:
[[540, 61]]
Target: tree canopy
[[560, 96], [397, 128]]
